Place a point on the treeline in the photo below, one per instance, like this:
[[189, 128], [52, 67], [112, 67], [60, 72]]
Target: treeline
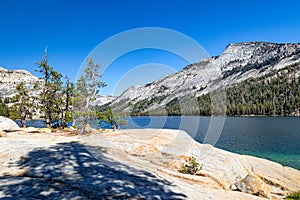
[[59, 101], [276, 93]]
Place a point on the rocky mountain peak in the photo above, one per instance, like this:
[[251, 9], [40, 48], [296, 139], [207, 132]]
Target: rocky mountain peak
[[237, 63], [245, 53], [9, 79]]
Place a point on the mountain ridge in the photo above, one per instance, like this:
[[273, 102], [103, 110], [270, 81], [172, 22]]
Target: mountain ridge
[[9, 79], [237, 63]]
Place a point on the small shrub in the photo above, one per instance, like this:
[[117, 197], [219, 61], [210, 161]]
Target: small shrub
[[294, 196], [4, 111], [191, 167]]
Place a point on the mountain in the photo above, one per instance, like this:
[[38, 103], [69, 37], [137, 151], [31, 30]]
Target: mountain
[[256, 78], [9, 79], [237, 64], [102, 100]]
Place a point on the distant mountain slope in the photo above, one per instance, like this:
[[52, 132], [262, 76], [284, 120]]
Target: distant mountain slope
[[238, 63], [9, 79]]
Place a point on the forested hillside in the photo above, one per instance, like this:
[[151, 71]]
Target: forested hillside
[[260, 78], [277, 93]]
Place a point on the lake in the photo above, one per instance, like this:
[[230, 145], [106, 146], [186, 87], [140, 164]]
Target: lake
[[273, 138]]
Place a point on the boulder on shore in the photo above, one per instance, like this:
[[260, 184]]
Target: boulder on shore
[[253, 184], [8, 124]]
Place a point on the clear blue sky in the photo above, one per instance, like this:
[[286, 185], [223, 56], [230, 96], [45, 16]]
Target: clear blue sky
[[71, 29]]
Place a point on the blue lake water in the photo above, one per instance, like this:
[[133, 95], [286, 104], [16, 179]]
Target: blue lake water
[[273, 138]]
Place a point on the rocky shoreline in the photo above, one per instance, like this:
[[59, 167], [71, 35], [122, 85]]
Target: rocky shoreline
[[134, 164]]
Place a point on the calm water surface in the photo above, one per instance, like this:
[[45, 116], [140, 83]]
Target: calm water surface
[[274, 138]]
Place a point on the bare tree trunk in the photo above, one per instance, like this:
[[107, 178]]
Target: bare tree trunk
[[74, 123], [48, 120], [114, 127], [23, 119]]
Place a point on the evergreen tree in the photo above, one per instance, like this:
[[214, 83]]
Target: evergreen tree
[[87, 86], [115, 120], [24, 106], [68, 95], [51, 97], [3, 109]]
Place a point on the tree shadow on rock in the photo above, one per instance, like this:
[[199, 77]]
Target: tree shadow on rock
[[69, 171]]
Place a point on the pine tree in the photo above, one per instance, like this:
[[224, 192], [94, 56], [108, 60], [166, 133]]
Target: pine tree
[[114, 119], [87, 86], [24, 106], [68, 95], [51, 97], [3, 109]]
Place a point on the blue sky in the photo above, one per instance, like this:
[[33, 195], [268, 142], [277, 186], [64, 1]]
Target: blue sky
[[71, 29]]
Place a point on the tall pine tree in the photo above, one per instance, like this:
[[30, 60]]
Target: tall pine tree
[[87, 86], [51, 97], [68, 95]]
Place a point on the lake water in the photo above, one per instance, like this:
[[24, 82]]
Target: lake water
[[273, 138]]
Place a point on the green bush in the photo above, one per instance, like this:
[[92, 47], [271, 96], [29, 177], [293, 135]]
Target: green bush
[[4, 111], [6, 100], [294, 196], [191, 167]]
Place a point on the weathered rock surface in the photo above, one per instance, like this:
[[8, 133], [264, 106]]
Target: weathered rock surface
[[8, 124], [168, 148], [2, 134], [133, 164], [36, 130], [253, 184], [281, 179]]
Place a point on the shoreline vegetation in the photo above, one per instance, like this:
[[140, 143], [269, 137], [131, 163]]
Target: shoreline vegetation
[[225, 116], [146, 115], [60, 102]]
